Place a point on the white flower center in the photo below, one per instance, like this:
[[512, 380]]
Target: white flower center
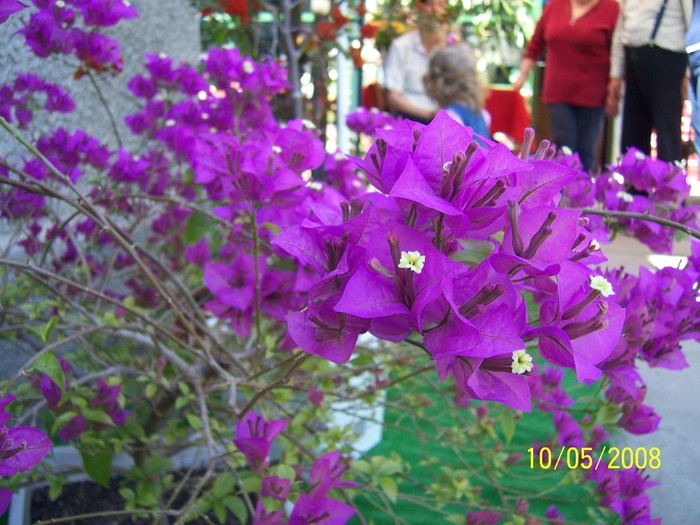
[[627, 197], [600, 283], [247, 67], [522, 362], [413, 261]]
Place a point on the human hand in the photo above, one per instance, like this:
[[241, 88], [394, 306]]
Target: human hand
[[614, 95], [518, 83]]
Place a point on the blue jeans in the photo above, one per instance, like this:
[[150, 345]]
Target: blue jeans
[[693, 94], [577, 127]]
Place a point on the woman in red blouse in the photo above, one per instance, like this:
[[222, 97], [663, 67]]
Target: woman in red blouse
[[575, 36]]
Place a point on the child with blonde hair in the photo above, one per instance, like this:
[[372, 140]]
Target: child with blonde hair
[[454, 82]]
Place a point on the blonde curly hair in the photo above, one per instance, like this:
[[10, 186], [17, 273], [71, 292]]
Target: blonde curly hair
[[452, 77]]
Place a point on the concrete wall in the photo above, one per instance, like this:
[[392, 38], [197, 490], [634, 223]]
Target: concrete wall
[[171, 27]]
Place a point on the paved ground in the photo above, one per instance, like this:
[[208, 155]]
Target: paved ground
[[676, 398]]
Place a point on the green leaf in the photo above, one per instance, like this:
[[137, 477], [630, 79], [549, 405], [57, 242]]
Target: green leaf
[[237, 507], [457, 519], [156, 465], [127, 494], [607, 415], [197, 226], [48, 328], [220, 511], [286, 472], [55, 490], [98, 466], [147, 499], [151, 390], [272, 227], [473, 251], [62, 421], [98, 416], [362, 466], [49, 364], [224, 485], [194, 421], [508, 426], [389, 487]]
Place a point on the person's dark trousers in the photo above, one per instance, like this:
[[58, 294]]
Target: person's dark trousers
[[577, 127], [653, 78]]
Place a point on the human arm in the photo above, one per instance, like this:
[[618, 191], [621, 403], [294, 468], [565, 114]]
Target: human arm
[[400, 104], [535, 49], [617, 68], [525, 67]]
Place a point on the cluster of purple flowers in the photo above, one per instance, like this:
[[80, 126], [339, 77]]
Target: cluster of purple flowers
[[54, 28], [18, 99], [388, 263], [367, 121], [458, 237], [254, 437], [638, 184], [105, 400]]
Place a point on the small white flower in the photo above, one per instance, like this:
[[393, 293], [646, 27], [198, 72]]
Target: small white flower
[[308, 124], [276, 149], [639, 155], [600, 283], [619, 177], [162, 55], [413, 261], [522, 362], [60, 3], [566, 150], [627, 197], [169, 123], [314, 185], [339, 155], [247, 67], [594, 245]]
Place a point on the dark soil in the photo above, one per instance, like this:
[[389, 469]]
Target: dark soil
[[88, 497]]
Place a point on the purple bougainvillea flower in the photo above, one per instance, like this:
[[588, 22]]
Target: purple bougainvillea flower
[[233, 284], [640, 420], [51, 392], [320, 511], [393, 284], [254, 436], [484, 318], [108, 399], [554, 516], [327, 473], [275, 487], [4, 416], [73, 429], [5, 498], [579, 327], [8, 8], [262, 517], [320, 330], [105, 14], [488, 379], [483, 517], [537, 241], [21, 448]]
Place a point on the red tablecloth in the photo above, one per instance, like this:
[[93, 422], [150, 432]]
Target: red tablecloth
[[508, 113]]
